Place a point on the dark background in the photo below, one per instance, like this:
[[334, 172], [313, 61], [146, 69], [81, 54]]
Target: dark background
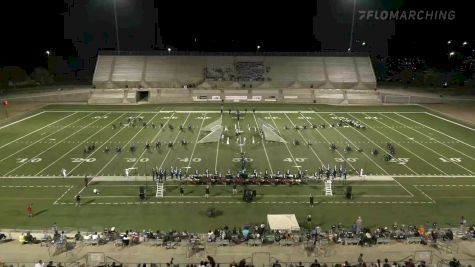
[[79, 28]]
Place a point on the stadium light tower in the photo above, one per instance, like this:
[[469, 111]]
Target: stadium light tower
[[352, 26], [169, 50], [48, 52], [452, 53], [464, 43], [116, 26]]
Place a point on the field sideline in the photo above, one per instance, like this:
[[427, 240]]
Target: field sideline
[[429, 149]]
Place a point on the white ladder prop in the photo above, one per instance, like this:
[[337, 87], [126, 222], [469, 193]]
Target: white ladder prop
[[160, 190], [328, 188]]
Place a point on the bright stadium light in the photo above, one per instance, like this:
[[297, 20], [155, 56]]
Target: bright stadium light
[[48, 52], [363, 44], [449, 41], [452, 53], [169, 50], [116, 26], [258, 47], [464, 43]]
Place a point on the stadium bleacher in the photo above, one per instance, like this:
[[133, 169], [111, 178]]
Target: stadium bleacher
[[241, 78]]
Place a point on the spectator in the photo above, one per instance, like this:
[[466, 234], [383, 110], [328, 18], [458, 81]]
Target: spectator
[[39, 264], [386, 263], [410, 263], [359, 224], [29, 208], [454, 263], [360, 258], [211, 261], [315, 264], [50, 264], [276, 264]]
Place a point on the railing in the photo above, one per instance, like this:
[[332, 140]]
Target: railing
[[199, 53]]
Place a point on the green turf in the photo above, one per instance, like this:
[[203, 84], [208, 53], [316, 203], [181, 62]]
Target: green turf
[[426, 146]]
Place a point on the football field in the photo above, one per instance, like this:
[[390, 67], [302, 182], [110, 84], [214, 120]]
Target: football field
[[431, 172]]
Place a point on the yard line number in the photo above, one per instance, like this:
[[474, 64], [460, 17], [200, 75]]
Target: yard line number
[[25, 160], [246, 159], [87, 160], [401, 161], [130, 160], [341, 160], [188, 159], [296, 159], [451, 160]]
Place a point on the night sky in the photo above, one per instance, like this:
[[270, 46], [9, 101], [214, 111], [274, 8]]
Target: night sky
[[82, 27]]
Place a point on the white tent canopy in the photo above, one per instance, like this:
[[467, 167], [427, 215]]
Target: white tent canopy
[[283, 222]]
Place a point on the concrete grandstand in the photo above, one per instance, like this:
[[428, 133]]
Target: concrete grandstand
[[272, 77]]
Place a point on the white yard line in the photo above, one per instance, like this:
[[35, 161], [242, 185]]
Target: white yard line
[[422, 124], [410, 193], [364, 153], [36, 130], [405, 165], [154, 138], [263, 145], [301, 135], [239, 137], [60, 197], [15, 122], [196, 142], [44, 151], [217, 151], [290, 152], [41, 139], [424, 193], [72, 149], [328, 142], [98, 148], [174, 140], [374, 129], [417, 142], [442, 118], [130, 140], [434, 139]]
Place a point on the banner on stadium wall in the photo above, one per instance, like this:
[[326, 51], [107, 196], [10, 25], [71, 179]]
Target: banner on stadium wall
[[235, 97], [216, 97]]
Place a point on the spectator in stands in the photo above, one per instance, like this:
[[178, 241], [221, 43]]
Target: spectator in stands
[[315, 264], [211, 261], [50, 264], [360, 259], [386, 263], [77, 236], [359, 224], [410, 263], [2, 236], [454, 263], [276, 264], [39, 264]]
